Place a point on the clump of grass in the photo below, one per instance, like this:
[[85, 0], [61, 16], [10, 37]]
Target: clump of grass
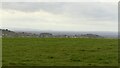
[[51, 57], [100, 59], [89, 64], [12, 63], [76, 60], [98, 48]]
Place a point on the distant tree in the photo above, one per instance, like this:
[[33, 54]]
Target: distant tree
[[7, 30]]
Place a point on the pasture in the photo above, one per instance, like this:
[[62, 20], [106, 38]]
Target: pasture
[[59, 52]]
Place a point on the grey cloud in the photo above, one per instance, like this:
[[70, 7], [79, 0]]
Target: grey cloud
[[97, 11], [76, 11], [92, 8], [33, 6]]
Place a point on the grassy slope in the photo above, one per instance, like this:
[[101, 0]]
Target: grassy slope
[[59, 52]]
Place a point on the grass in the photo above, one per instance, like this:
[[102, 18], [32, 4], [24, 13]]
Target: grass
[[59, 52]]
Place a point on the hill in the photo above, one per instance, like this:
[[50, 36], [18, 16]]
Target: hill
[[9, 33]]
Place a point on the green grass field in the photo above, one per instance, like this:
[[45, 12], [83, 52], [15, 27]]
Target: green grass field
[[59, 52]]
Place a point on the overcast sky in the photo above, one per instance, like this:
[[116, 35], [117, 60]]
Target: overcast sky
[[60, 16]]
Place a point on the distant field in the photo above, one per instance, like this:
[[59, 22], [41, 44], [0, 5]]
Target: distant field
[[59, 52]]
